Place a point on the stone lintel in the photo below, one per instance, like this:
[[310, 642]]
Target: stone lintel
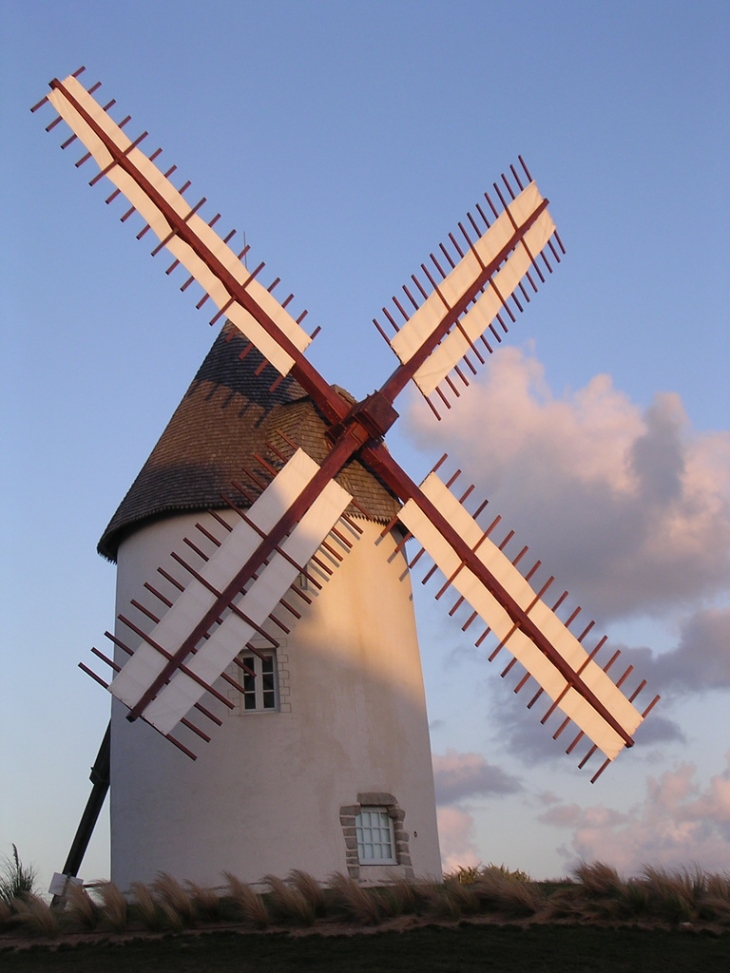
[[371, 798]]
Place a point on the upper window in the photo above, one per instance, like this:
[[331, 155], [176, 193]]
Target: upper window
[[375, 842], [259, 690]]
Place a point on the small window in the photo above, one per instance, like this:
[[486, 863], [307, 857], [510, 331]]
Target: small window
[[375, 843], [259, 690]]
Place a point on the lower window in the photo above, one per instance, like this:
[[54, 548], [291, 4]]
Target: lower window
[[375, 842], [259, 690]]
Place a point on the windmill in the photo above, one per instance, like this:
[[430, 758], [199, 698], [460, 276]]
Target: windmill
[[292, 523]]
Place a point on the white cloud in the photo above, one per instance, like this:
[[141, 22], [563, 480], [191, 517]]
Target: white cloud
[[456, 837], [461, 775], [629, 509], [677, 823]]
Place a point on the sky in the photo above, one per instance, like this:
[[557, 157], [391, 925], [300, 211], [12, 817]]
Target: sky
[[346, 140]]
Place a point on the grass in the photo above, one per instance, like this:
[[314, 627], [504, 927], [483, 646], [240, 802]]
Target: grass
[[687, 896], [175, 903], [312, 891], [352, 902], [35, 917], [287, 904], [206, 902], [16, 879], [687, 900], [115, 908], [145, 909], [81, 911], [248, 904]]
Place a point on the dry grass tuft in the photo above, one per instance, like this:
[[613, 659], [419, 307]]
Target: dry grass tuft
[[598, 893], [16, 879], [171, 918], [114, 908], [206, 902], [36, 916], [410, 895], [633, 902], [565, 903], [401, 897], [715, 905], [310, 889], [249, 904], [673, 896], [354, 902], [146, 909], [81, 911], [463, 896], [288, 904], [715, 910], [718, 886], [440, 902], [174, 901], [598, 879], [6, 914], [657, 895], [498, 891]]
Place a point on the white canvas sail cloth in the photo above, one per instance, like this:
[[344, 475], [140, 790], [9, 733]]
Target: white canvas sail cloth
[[472, 325], [133, 185], [540, 667], [227, 640]]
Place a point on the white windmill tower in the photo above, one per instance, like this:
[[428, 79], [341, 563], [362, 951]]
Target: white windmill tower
[[337, 776], [331, 731]]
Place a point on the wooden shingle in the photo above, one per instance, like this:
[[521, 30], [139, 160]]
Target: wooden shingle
[[227, 415]]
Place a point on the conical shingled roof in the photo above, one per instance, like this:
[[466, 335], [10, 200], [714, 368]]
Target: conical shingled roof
[[227, 415]]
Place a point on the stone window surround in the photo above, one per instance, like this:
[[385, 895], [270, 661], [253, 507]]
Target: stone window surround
[[349, 812]]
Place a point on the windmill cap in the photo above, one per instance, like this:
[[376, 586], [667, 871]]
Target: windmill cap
[[228, 414]]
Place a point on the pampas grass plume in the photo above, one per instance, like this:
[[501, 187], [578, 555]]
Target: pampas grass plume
[[145, 907], [81, 909], [174, 900], [36, 916], [249, 903], [353, 900], [310, 889], [288, 903], [206, 901], [115, 909]]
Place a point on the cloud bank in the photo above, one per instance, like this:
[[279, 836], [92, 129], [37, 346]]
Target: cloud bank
[[676, 824], [459, 776], [628, 509], [462, 775], [519, 734], [456, 837], [699, 663]]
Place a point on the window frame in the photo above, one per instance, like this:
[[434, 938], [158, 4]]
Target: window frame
[[258, 689], [384, 822]]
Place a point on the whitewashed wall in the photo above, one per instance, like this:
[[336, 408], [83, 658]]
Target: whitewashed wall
[[265, 795]]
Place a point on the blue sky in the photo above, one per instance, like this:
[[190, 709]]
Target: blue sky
[[346, 140]]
